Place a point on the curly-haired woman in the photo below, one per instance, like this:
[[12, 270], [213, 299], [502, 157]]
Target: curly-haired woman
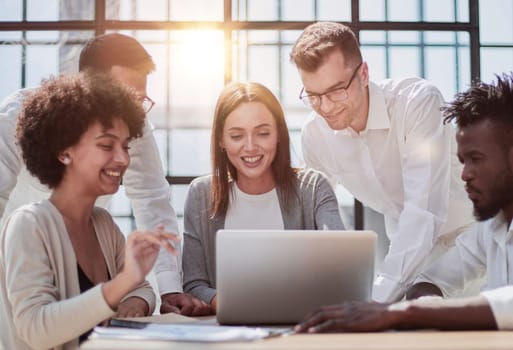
[[64, 264]]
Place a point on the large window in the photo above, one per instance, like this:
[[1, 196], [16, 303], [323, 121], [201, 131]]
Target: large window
[[198, 45]]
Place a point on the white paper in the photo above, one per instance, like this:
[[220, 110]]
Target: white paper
[[183, 332]]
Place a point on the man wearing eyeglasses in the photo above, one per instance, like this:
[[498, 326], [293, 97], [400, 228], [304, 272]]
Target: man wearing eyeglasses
[[386, 143], [126, 60]]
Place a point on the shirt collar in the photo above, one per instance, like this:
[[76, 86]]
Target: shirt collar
[[501, 229], [378, 114]]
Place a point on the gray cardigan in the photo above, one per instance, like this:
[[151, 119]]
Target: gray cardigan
[[316, 208]]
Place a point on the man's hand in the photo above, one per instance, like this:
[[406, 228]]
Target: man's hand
[[184, 304], [350, 317], [133, 307]]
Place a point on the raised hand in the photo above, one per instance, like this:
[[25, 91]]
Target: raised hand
[[142, 248], [141, 251]]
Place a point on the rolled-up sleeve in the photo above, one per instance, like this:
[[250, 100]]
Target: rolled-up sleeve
[[501, 302], [150, 195], [10, 156], [426, 171]]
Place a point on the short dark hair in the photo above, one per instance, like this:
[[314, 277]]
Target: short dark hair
[[493, 102], [103, 52], [55, 116], [320, 39], [232, 96]]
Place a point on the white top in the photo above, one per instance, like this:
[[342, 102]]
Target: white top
[[144, 181], [258, 211], [485, 249], [402, 165]]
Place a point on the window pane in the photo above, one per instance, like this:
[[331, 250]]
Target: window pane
[[495, 61], [196, 71], [44, 35], [372, 37], [297, 10], [125, 224], [440, 38], [290, 82], [290, 36], [464, 79], [119, 203], [262, 57], [496, 22], [305, 10], [127, 10], [9, 36], [334, 10], [404, 37], [38, 68], [254, 10], [163, 144], [46, 53], [11, 10], [404, 61], [263, 66], [377, 62], [10, 69], [462, 11], [372, 10], [295, 146], [178, 194], [438, 11], [464, 38], [47, 10], [190, 151], [403, 10], [54, 10], [441, 69], [196, 10]]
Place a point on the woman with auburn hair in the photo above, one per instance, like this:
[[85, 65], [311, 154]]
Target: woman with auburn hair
[[64, 264], [253, 185]]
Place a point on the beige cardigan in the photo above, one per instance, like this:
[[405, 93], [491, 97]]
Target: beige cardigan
[[40, 302]]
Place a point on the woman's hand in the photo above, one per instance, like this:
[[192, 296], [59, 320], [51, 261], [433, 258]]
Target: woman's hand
[[142, 249]]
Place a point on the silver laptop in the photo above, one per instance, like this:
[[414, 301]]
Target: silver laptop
[[278, 276]]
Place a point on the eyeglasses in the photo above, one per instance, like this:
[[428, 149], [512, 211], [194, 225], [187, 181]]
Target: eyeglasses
[[335, 95], [147, 104]]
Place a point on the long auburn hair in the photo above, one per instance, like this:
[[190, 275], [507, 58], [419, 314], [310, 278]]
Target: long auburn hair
[[223, 172]]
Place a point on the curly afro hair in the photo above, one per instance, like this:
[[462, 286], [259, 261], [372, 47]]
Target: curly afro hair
[[58, 113]]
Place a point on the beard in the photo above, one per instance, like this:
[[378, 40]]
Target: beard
[[500, 194]]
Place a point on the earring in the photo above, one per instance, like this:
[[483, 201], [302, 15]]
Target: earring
[[66, 160]]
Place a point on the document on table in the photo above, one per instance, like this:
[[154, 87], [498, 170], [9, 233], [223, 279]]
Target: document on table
[[187, 332]]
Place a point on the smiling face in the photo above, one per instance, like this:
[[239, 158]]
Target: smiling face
[[487, 169], [98, 161], [250, 139], [336, 72]]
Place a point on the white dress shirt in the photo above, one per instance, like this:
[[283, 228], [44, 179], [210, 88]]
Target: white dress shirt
[[485, 249], [403, 165], [144, 181]]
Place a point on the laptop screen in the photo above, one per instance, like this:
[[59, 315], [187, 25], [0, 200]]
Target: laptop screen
[[278, 276]]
